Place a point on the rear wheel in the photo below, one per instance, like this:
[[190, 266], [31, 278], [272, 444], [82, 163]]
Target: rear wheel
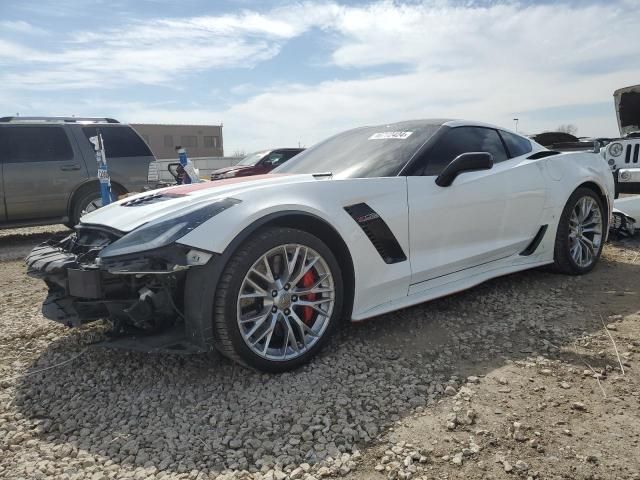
[[278, 300], [581, 232]]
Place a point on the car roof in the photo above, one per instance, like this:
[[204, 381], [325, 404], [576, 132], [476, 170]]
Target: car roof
[[46, 120], [443, 122], [431, 122]]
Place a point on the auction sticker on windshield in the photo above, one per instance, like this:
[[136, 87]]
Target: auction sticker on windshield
[[387, 135]]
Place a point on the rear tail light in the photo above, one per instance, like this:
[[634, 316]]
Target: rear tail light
[[152, 174]]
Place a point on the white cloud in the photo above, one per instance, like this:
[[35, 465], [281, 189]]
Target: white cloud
[[20, 26], [106, 66], [484, 62], [509, 35], [152, 52]]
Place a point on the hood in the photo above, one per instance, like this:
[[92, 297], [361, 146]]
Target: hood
[[627, 102], [136, 210]]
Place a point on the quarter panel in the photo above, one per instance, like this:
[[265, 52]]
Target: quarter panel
[[570, 170], [564, 173]]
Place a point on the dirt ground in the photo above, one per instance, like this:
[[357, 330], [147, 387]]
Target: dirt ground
[[567, 411], [533, 375]]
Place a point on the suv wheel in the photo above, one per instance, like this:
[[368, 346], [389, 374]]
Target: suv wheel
[[87, 202]]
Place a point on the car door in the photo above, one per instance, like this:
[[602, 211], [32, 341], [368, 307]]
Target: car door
[[41, 167], [483, 216]]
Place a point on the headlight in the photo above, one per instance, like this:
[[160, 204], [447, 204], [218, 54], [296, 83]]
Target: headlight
[[165, 230], [229, 174], [615, 149]]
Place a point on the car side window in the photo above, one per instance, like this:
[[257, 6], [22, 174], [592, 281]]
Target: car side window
[[290, 154], [36, 144], [461, 140], [516, 145], [275, 159]]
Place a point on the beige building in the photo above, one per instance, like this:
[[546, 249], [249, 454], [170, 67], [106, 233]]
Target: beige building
[[199, 140]]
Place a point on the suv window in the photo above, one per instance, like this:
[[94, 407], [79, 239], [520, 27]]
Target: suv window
[[516, 145], [34, 144], [120, 142], [460, 140]]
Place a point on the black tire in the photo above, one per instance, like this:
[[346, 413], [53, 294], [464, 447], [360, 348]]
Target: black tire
[[563, 260], [85, 199], [227, 336]]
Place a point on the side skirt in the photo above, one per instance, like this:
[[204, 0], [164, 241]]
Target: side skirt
[[453, 283]]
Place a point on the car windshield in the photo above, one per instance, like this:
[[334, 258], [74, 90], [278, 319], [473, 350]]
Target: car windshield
[[252, 159], [364, 152]]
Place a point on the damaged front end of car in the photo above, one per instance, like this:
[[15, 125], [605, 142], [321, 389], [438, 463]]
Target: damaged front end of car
[[135, 280]]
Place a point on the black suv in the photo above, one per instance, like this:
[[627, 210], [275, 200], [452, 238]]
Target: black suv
[[49, 171]]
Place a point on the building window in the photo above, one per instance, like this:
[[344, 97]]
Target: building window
[[211, 142], [189, 141], [168, 141]]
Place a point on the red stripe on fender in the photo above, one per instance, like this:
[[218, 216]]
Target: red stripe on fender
[[195, 187]]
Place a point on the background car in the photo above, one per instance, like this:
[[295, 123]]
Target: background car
[[257, 163], [369, 221], [49, 170]]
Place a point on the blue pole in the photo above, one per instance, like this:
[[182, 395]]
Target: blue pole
[[103, 171]]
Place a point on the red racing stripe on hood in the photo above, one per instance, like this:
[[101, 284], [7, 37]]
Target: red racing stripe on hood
[[195, 187]]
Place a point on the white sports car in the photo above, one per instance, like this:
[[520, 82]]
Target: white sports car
[[368, 221]]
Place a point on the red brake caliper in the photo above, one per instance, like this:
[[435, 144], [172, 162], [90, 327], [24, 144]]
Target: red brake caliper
[[307, 281]]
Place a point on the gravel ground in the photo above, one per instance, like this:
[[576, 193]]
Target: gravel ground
[[515, 378], [18, 242]]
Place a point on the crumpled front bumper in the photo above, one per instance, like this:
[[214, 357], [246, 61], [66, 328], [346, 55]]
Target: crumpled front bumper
[[142, 295], [80, 290], [73, 289]]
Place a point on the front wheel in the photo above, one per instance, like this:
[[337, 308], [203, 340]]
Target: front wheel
[[581, 233], [278, 300]]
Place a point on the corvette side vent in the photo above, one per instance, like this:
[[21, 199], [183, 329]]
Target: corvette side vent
[[535, 243], [377, 231]]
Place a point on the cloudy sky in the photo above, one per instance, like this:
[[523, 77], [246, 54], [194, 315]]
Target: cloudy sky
[[282, 72]]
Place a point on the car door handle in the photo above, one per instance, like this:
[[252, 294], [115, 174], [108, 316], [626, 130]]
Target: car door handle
[[70, 167]]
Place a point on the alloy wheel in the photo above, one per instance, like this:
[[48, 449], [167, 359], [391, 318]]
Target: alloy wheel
[[285, 302], [585, 231], [92, 206]]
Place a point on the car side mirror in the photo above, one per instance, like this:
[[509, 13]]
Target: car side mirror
[[466, 162]]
